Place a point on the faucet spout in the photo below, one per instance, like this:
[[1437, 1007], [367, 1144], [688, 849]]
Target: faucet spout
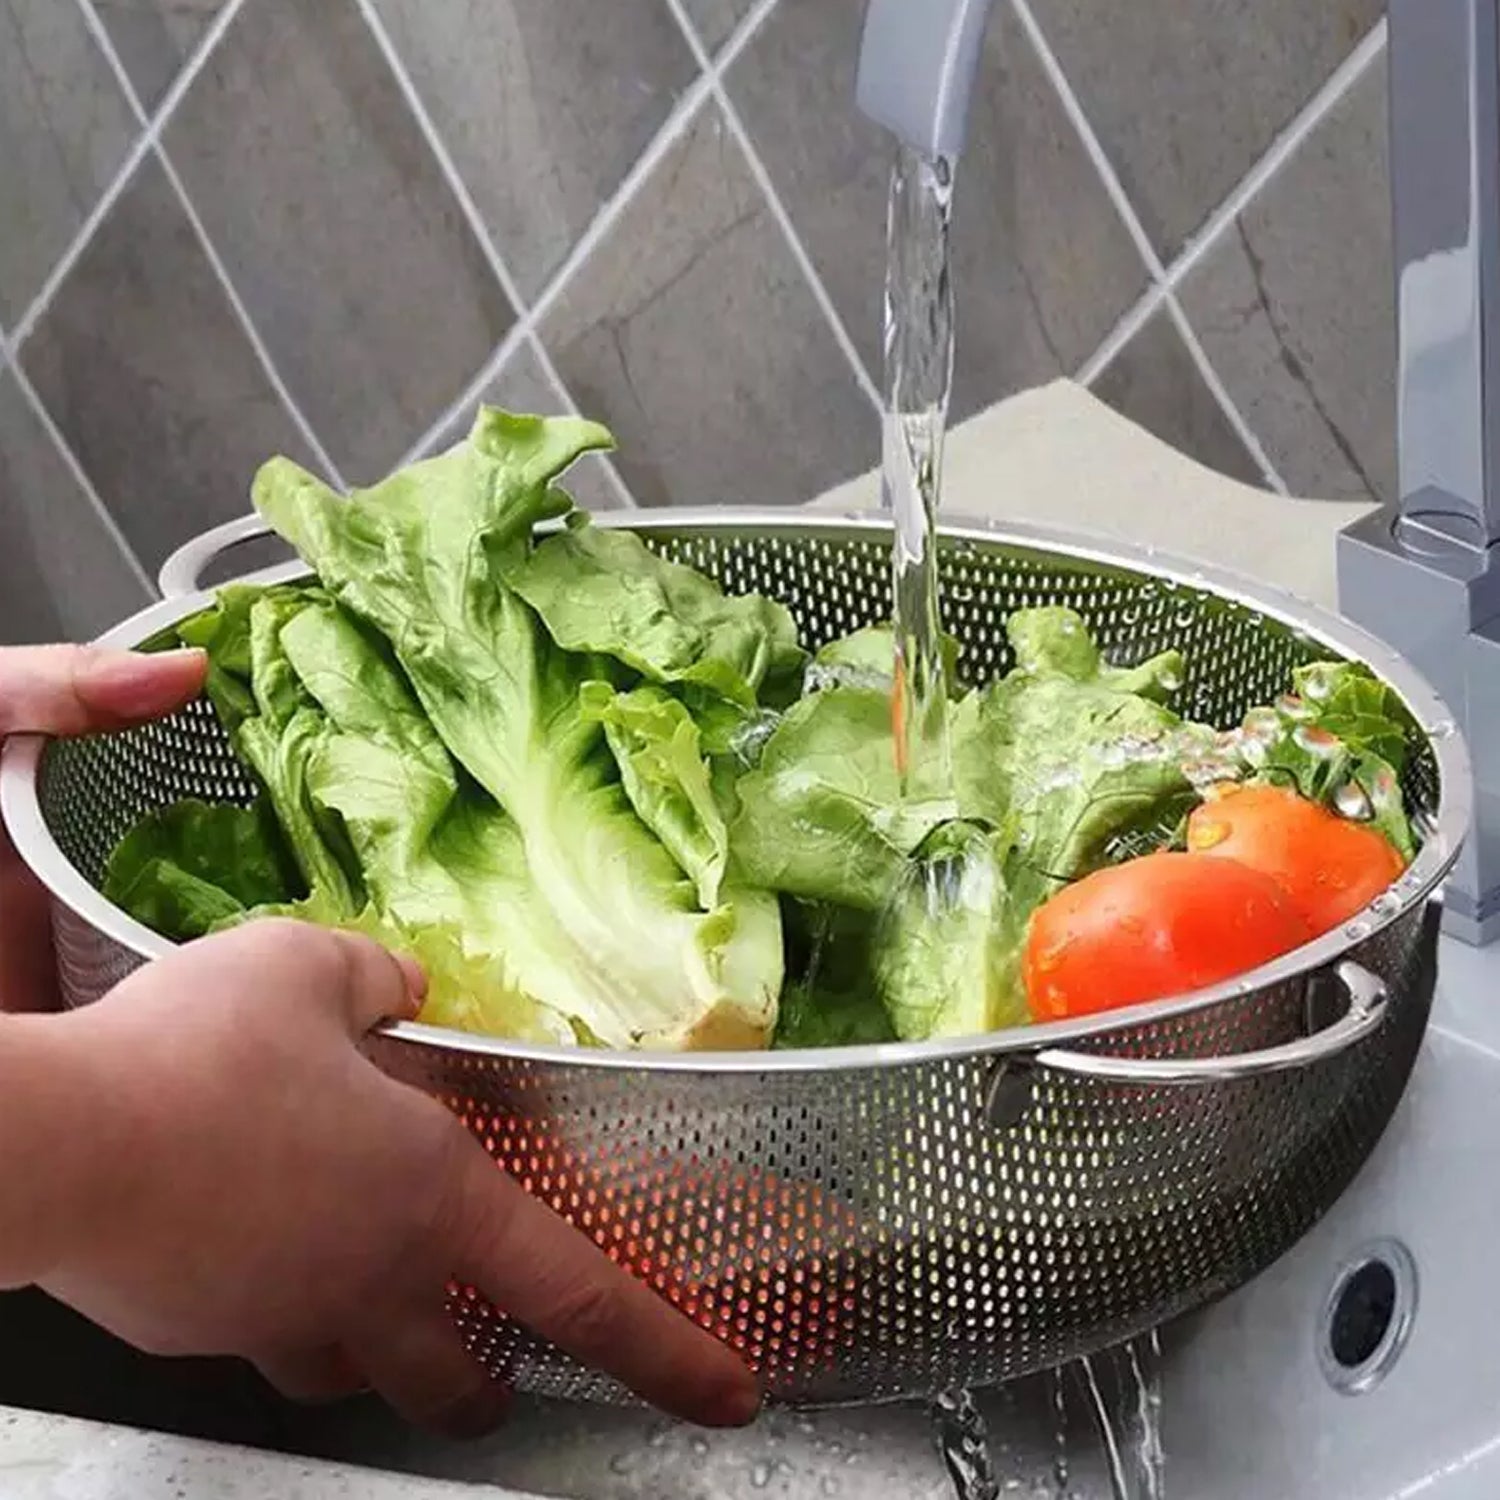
[[917, 66]]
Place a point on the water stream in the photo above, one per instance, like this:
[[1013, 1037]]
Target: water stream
[[1121, 1387], [918, 379]]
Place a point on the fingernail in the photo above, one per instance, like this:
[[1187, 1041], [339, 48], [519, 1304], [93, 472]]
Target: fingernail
[[739, 1405], [416, 977], [139, 683]]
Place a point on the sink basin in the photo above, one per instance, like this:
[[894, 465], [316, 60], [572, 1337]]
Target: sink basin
[[1256, 1404]]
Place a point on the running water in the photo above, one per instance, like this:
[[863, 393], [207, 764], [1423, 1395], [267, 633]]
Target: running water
[[1123, 1385], [919, 377], [1118, 1391]]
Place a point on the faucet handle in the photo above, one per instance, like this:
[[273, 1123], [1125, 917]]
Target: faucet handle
[[917, 65]]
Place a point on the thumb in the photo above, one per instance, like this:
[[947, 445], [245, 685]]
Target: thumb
[[63, 690]]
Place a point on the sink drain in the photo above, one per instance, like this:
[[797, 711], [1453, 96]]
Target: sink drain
[[1367, 1317]]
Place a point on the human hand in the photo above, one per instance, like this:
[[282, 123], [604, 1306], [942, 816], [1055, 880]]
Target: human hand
[[64, 690], [257, 1187]]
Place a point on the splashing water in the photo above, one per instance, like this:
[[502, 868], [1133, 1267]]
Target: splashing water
[[964, 1446], [1121, 1392], [919, 379]]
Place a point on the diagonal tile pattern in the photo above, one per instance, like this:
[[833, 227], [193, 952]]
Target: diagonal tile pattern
[[317, 274]]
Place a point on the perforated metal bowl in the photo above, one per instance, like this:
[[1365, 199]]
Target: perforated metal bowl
[[885, 1221]]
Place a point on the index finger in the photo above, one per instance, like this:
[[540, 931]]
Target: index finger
[[63, 690], [541, 1271]]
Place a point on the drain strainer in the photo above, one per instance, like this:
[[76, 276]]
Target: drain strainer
[[1367, 1316]]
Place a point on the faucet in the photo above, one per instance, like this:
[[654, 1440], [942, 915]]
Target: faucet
[[917, 65], [1423, 572]]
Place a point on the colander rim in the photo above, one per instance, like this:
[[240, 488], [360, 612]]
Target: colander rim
[[20, 806]]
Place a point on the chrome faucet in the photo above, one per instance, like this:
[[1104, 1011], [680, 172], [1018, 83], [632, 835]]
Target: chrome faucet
[[917, 65], [1424, 572]]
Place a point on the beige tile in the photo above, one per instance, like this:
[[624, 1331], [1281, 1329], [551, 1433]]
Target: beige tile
[[1155, 382]]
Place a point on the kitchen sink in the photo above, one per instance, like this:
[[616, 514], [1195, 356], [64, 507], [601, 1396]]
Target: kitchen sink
[[1363, 1366]]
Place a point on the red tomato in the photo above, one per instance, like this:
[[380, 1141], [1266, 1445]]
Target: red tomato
[[1329, 867], [1151, 928]]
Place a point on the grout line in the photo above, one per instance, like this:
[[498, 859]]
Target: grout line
[[612, 473], [75, 468], [252, 334], [1092, 146], [516, 335], [1129, 324], [1227, 404], [210, 251], [672, 129], [599, 227], [1335, 86], [142, 145], [713, 68], [439, 149], [1163, 279]]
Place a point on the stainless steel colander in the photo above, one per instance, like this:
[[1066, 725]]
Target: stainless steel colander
[[886, 1221]]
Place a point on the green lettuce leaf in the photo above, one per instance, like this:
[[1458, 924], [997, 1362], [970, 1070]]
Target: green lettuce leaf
[[830, 999], [948, 946], [868, 659], [185, 869], [821, 815], [1341, 738], [606, 592], [422, 558], [659, 751]]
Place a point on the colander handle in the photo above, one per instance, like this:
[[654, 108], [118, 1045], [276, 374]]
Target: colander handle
[[1367, 1002], [182, 572]]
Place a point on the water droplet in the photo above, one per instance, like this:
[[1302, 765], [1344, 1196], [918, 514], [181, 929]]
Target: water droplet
[[1350, 801], [1317, 683], [1358, 929], [1387, 904], [760, 1475], [1208, 772], [1113, 756], [621, 1463], [1290, 706], [830, 1485], [1263, 724], [699, 1446], [1444, 729], [657, 1438], [1254, 752], [1316, 741]]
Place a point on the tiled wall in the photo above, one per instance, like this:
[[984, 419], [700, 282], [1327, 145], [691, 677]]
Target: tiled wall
[[326, 227]]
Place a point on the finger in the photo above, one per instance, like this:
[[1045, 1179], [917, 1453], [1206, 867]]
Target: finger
[[378, 985], [28, 972], [416, 1361], [312, 1376], [360, 983], [83, 689], [541, 1271]]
